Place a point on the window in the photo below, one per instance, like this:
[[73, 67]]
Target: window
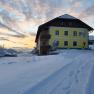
[[82, 34], [57, 32], [55, 43], [74, 43], [66, 33], [75, 33], [48, 36], [65, 43]]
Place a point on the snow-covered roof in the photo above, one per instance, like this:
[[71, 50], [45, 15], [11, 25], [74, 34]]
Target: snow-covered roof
[[67, 16]]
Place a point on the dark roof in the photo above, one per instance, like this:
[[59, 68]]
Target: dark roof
[[58, 21]]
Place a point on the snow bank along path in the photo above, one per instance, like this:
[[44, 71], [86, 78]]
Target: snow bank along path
[[66, 73]]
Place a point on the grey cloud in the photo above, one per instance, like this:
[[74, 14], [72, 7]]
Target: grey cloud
[[6, 39], [40, 10], [43, 8], [3, 38], [11, 35], [87, 12], [17, 33], [32, 34]]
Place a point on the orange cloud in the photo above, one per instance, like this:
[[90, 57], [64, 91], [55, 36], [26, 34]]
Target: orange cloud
[[11, 41], [17, 42]]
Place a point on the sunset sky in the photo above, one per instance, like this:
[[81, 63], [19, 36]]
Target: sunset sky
[[19, 19]]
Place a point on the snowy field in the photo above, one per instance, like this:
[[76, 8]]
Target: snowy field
[[69, 72]]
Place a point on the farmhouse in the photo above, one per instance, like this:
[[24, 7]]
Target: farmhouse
[[64, 31]]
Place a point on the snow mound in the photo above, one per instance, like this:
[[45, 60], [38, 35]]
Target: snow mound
[[7, 52]]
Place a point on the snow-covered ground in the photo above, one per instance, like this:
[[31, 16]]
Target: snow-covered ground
[[69, 72], [91, 47]]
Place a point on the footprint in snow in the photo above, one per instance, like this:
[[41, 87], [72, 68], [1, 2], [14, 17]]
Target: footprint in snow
[[68, 92], [71, 73], [28, 61], [11, 62]]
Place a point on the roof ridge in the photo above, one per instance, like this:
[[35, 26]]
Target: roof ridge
[[67, 16]]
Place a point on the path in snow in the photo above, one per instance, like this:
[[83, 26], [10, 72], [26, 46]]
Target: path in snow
[[90, 85], [70, 79]]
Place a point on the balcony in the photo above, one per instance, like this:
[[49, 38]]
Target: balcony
[[45, 37]]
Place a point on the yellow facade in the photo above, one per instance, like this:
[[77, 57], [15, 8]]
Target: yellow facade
[[70, 38]]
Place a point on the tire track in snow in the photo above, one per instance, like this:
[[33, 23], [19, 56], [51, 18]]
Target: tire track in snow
[[90, 85], [58, 80], [38, 88]]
